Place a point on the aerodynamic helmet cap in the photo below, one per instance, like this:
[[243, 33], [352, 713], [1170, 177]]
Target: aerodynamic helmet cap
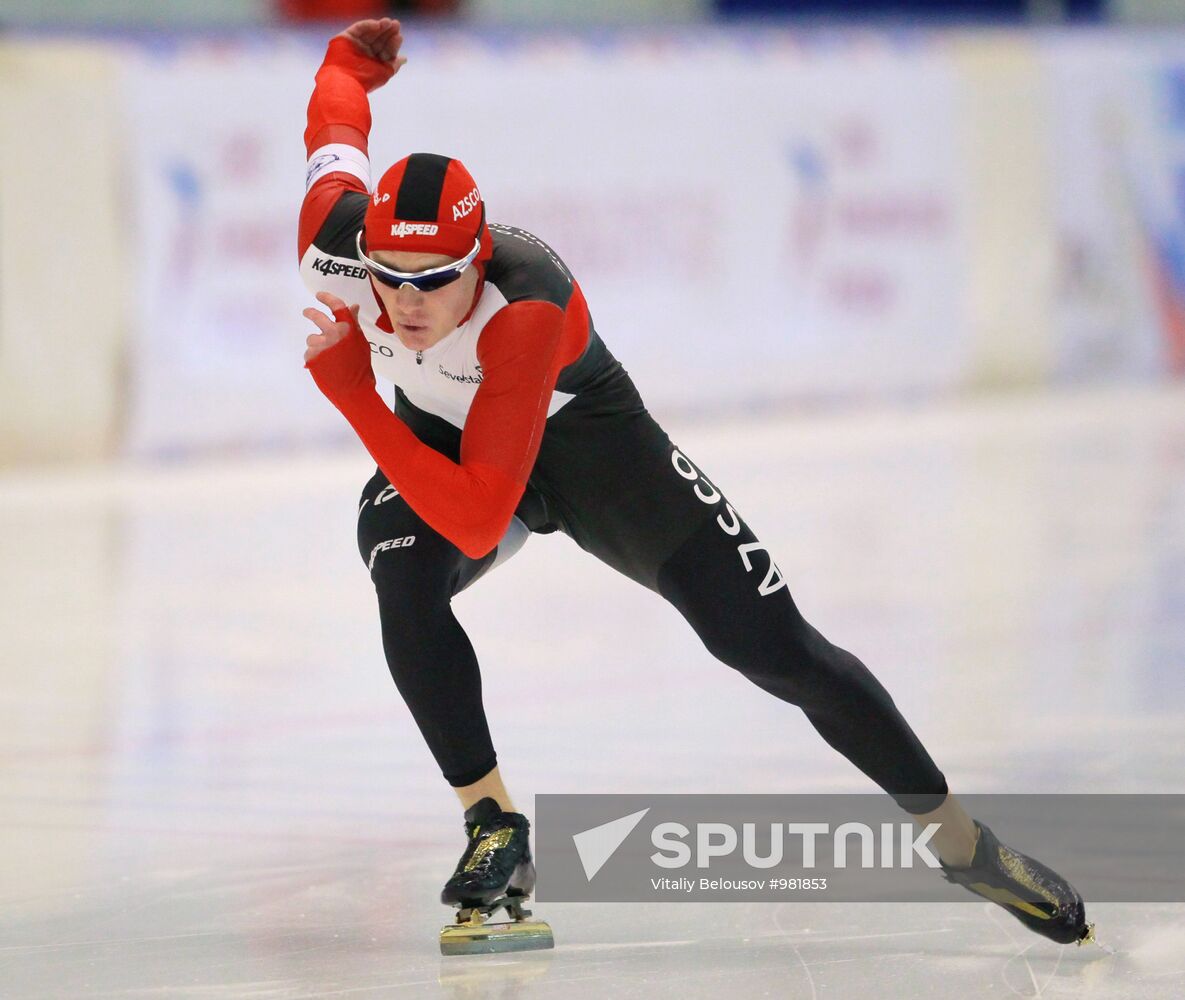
[[427, 203]]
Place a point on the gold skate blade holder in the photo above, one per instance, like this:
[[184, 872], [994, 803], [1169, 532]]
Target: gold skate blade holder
[[472, 934]]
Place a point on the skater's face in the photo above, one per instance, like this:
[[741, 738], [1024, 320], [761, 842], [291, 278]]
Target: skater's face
[[422, 319]]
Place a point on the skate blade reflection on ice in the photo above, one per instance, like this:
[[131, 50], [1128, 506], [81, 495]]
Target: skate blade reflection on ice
[[493, 978], [474, 937]]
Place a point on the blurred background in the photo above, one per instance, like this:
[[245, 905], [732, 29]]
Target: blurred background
[[891, 200], [906, 279]]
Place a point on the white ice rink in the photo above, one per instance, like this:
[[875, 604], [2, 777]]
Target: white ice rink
[[210, 788]]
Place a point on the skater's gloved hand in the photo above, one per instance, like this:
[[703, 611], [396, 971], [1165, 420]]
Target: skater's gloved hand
[[339, 355], [369, 51]]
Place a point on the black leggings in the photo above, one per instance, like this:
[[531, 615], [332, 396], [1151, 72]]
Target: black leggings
[[715, 572]]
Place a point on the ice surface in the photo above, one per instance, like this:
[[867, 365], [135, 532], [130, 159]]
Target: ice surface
[[210, 789]]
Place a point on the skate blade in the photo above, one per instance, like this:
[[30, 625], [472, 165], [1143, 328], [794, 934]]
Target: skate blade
[[488, 939]]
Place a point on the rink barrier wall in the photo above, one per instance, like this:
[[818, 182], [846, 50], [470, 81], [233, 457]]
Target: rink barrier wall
[[65, 266], [856, 214]]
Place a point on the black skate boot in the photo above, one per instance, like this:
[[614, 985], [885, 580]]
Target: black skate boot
[[1037, 896], [495, 871]]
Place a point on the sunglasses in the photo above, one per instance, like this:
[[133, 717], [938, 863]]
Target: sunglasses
[[424, 281]]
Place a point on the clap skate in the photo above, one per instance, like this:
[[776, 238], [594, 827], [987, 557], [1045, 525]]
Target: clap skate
[[1037, 896], [495, 872]]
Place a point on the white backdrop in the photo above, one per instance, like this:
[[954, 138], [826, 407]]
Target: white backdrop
[[1117, 138], [754, 216], [751, 217]]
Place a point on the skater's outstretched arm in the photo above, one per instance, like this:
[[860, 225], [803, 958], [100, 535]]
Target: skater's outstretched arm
[[360, 59]]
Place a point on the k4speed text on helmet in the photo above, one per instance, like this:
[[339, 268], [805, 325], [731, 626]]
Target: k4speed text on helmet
[[402, 229]]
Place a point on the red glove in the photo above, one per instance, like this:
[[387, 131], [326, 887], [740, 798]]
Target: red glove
[[359, 60], [343, 54]]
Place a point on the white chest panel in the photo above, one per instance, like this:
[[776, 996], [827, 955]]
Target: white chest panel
[[446, 378]]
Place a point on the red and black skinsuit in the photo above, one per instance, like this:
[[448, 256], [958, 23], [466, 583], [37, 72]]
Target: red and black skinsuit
[[521, 420]]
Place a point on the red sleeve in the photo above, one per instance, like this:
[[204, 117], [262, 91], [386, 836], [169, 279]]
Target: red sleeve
[[339, 112], [522, 350]]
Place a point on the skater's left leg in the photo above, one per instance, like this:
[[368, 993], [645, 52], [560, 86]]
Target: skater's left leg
[[726, 585], [645, 509], [723, 582], [956, 835]]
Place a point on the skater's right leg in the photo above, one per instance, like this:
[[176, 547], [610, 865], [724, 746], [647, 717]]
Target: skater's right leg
[[416, 573], [488, 787], [496, 861]]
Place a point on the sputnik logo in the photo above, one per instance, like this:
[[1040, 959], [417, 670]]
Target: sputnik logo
[[597, 845]]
